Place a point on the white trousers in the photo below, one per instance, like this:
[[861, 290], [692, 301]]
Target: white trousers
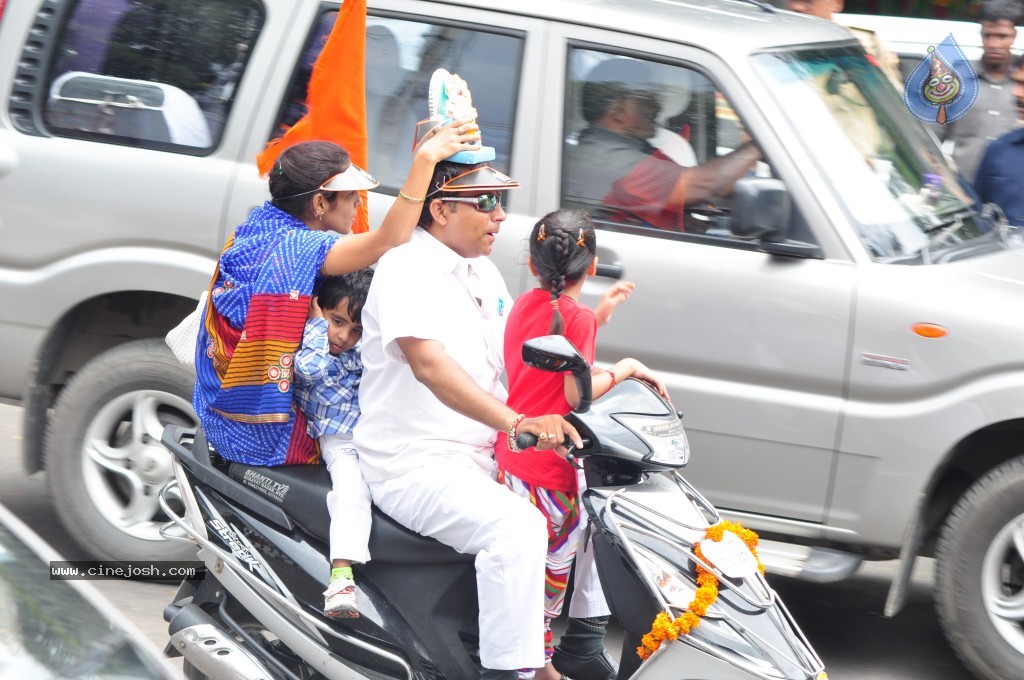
[[348, 501], [587, 593], [453, 501]]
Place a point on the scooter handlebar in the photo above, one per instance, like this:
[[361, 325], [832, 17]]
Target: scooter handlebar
[[525, 440]]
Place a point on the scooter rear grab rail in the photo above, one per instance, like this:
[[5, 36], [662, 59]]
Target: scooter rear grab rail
[[230, 561]]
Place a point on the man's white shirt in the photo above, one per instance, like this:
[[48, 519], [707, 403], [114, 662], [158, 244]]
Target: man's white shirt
[[425, 290]]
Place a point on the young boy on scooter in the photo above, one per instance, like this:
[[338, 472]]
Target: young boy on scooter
[[327, 373]]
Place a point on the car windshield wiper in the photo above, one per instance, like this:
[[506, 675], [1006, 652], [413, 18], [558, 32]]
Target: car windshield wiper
[[940, 231], [944, 231], [991, 227]]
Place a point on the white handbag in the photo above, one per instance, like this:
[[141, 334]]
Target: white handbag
[[183, 337]]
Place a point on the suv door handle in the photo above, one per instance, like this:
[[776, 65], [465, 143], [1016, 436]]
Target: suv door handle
[[611, 271]]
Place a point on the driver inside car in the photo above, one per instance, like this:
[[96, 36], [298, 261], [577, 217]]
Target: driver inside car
[[616, 171]]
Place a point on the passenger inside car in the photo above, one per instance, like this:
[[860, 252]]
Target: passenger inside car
[[625, 167]]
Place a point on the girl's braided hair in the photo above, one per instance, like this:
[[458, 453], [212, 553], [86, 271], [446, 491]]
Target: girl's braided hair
[[562, 246]]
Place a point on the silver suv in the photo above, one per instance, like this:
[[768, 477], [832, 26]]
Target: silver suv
[[847, 348]]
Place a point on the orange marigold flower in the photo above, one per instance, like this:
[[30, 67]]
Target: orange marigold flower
[[662, 626], [643, 653], [704, 598], [745, 535], [715, 532]]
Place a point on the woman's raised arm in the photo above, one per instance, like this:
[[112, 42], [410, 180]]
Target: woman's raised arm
[[357, 251]]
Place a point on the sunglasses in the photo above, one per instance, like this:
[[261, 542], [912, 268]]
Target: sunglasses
[[484, 202]]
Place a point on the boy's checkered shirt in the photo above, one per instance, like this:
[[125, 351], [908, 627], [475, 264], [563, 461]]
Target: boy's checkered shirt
[[327, 386]]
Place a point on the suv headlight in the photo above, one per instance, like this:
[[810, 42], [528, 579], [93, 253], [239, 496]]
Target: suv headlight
[[665, 437]]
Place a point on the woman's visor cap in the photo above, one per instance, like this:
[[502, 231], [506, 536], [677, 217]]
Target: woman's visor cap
[[353, 179]]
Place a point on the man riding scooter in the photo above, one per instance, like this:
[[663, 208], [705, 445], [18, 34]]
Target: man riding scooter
[[433, 404]]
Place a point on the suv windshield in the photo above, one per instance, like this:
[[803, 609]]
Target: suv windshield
[[906, 201]]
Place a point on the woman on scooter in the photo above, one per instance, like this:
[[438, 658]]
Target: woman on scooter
[[266, 276]]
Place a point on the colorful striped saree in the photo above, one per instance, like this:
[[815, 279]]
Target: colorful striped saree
[[258, 304]]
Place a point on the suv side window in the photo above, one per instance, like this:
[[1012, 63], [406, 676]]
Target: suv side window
[[159, 74], [401, 55], [650, 146]]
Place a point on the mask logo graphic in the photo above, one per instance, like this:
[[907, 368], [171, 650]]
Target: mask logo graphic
[[943, 87]]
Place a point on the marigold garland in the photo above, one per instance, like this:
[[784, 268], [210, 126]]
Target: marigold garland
[[665, 628]]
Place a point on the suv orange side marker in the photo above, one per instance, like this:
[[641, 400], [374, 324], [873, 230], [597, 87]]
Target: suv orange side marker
[[930, 330]]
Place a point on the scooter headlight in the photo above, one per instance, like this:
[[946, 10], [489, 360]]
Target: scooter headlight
[[665, 437]]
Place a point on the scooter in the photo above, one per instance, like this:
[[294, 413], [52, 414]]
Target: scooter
[[262, 534]]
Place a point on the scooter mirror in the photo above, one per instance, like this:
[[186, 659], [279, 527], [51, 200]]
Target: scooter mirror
[[556, 354]]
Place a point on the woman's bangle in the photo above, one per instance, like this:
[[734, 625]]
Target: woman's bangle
[[512, 446], [615, 380], [402, 194]]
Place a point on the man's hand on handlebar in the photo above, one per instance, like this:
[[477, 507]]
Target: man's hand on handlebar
[[551, 431]]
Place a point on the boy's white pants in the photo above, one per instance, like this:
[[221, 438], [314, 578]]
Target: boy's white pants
[[348, 501], [454, 501]]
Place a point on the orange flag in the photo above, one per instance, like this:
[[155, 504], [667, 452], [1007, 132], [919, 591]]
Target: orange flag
[[336, 101]]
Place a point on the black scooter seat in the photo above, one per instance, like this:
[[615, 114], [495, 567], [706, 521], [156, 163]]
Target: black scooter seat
[[301, 492]]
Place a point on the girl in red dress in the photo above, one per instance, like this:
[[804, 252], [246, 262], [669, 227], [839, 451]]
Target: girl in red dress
[[563, 253]]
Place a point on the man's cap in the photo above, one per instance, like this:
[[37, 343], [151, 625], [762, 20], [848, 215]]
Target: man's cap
[[617, 78], [482, 178], [624, 71], [353, 179]]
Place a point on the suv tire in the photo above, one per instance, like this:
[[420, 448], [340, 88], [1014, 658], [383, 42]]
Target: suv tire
[[980, 574], [104, 462]]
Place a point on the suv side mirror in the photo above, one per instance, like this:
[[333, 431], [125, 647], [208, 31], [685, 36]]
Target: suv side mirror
[[760, 212], [760, 208], [555, 353]]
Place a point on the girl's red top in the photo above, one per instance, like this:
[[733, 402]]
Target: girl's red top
[[535, 392]]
